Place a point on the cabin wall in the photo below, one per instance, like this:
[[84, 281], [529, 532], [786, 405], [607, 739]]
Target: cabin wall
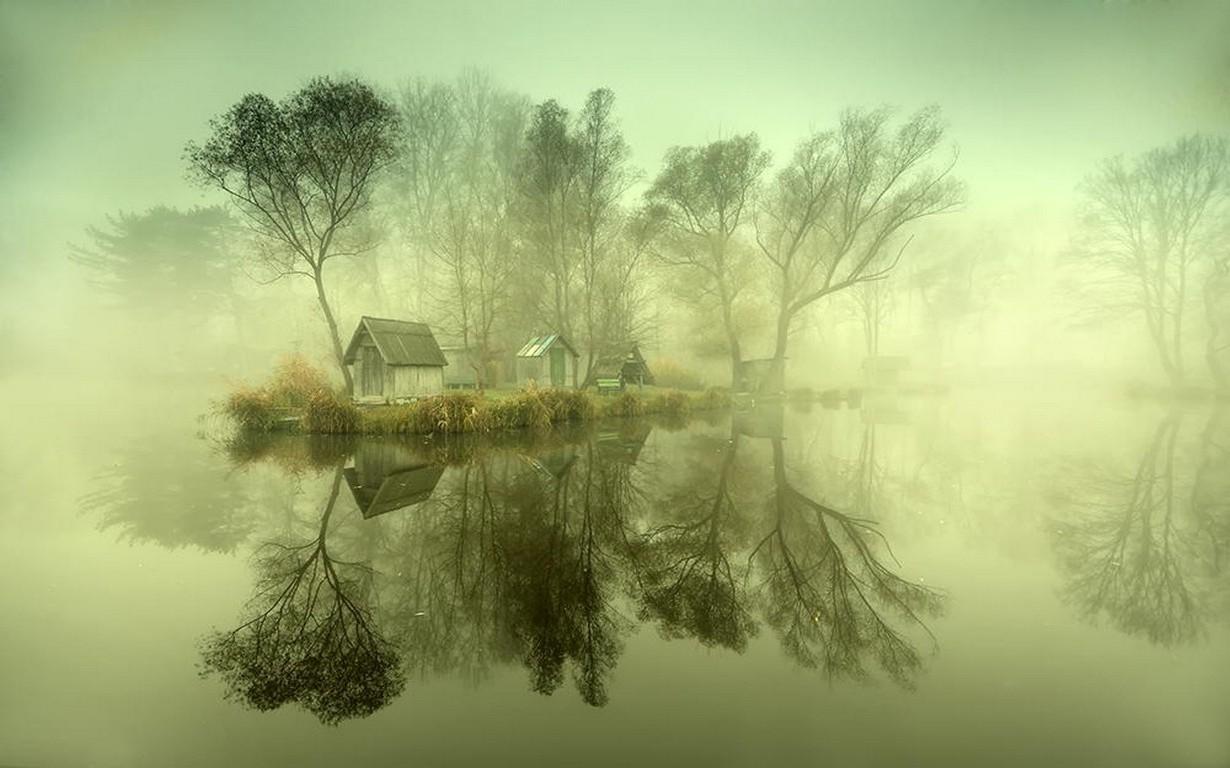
[[532, 369], [357, 369], [412, 380], [538, 370]]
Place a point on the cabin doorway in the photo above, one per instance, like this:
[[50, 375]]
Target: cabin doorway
[[373, 372], [557, 367]]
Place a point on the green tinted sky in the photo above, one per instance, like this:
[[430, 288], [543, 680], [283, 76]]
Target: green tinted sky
[[99, 97]]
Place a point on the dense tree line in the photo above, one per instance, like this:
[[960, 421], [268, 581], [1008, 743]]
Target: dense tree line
[[495, 218], [514, 218]]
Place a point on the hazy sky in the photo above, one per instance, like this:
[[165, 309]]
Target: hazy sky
[[100, 97]]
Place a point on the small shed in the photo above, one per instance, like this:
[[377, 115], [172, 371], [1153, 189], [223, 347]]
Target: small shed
[[884, 370], [547, 360], [619, 369], [393, 359], [463, 366]]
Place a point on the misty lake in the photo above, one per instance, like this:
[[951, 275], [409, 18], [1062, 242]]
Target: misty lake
[[960, 580]]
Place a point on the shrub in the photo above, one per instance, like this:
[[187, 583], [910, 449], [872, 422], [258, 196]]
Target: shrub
[[294, 386], [250, 409], [671, 404], [670, 374], [328, 413], [625, 404], [711, 399], [295, 381]]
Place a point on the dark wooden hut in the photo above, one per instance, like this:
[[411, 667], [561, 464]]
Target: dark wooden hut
[[621, 369], [394, 359]]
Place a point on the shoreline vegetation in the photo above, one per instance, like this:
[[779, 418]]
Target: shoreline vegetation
[[300, 398]]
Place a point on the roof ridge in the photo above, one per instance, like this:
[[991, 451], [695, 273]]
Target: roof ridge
[[392, 320]]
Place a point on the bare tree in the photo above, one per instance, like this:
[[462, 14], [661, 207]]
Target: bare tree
[[311, 636], [704, 196], [1147, 222], [548, 187], [1128, 551], [829, 595], [1217, 316], [430, 138], [301, 172], [836, 209], [603, 177]]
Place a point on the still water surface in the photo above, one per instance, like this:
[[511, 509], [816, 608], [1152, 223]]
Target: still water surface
[[955, 581]]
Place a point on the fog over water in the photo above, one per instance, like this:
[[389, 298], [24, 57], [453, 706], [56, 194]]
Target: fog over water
[[955, 273]]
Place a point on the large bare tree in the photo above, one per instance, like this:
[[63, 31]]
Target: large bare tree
[[301, 172], [704, 197], [547, 210], [1148, 223], [833, 218], [464, 195], [603, 178]]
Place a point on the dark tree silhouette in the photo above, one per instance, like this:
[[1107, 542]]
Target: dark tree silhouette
[[311, 637], [1126, 553], [691, 585], [704, 197], [826, 592], [301, 172]]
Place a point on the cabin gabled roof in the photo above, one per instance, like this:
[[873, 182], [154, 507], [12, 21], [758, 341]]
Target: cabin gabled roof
[[611, 365], [400, 342], [397, 490], [539, 345]]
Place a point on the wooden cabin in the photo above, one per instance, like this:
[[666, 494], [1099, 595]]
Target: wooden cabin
[[463, 365], [394, 359], [623, 368], [547, 361]]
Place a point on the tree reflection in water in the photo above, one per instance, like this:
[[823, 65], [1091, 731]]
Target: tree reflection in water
[[826, 591], [459, 557], [311, 637], [1141, 551]]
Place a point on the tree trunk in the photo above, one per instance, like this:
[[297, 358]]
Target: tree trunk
[[775, 379], [338, 352], [732, 340], [1217, 315]]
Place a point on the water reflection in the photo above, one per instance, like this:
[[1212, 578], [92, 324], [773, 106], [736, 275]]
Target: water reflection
[[827, 592], [460, 557], [1142, 549], [310, 636]]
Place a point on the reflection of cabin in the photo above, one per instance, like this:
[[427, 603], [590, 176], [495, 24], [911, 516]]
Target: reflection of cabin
[[463, 366], [619, 369], [393, 359], [760, 376], [547, 360], [884, 370], [387, 476], [623, 443], [554, 464]]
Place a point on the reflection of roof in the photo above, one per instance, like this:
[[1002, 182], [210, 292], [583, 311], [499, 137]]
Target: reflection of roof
[[400, 342], [555, 463], [538, 346], [624, 445], [396, 491]]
